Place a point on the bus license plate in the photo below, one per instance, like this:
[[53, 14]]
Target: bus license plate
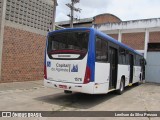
[[63, 86]]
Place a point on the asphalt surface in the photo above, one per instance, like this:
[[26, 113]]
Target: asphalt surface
[[33, 96]]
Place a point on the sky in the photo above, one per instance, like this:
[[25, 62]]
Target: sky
[[124, 9]]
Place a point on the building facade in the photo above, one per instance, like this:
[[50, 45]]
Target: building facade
[[142, 35], [23, 30], [88, 22]]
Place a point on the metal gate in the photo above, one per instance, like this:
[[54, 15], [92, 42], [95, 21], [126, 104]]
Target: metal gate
[[153, 67]]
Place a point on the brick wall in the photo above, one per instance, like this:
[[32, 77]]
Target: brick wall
[[115, 36], [154, 37], [134, 40], [106, 18], [23, 55]]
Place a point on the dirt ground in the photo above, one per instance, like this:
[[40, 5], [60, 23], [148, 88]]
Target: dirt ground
[[33, 96]]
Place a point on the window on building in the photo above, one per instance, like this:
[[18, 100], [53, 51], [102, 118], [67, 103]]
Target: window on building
[[153, 46]]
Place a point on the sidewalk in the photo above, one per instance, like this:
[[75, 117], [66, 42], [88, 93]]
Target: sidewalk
[[21, 85]]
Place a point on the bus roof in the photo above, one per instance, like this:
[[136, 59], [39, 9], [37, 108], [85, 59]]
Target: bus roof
[[99, 33]]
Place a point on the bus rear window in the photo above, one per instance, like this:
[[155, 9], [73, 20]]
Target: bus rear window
[[68, 43]]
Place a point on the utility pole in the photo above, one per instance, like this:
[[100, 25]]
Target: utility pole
[[71, 15], [54, 14]]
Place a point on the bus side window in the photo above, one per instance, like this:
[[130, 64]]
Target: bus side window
[[122, 56], [98, 49], [134, 59], [138, 61], [101, 50], [127, 58]]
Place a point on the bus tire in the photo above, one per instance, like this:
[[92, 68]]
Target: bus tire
[[138, 83], [67, 92], [121, 87]]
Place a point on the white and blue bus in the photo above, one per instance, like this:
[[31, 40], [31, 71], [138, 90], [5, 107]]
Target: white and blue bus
[[88, 61]]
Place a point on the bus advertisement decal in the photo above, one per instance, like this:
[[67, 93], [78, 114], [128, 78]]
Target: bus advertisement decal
[[48, 63], [65, 67]]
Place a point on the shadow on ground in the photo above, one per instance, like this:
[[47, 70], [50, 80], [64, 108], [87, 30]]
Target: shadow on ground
[[79, 100]]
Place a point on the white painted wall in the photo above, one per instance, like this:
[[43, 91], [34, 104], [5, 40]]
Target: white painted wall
[[2, 32], [135, 26], [153, 67]]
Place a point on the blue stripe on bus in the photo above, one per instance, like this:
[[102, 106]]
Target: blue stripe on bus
[[91, 54]]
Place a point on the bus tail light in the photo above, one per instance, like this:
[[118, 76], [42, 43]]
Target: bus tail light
[[45, 72], [87, 75]]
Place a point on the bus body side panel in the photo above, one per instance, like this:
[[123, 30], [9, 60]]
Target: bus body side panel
[[102, 71], [101, 74], [123, 70], [136, 74]]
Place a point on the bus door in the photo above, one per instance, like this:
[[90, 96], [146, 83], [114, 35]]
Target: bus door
[[131, 63], [113, 67]]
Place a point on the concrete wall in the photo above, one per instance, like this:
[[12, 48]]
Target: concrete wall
[[133, 24], [2, 20], [1, 6], [153, 67], [34, 13], [1, 10]]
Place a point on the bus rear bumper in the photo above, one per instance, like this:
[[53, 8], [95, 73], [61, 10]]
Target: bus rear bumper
[[83, 88]]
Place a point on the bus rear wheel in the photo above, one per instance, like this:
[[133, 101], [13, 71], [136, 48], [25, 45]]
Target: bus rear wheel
[[121, 88]]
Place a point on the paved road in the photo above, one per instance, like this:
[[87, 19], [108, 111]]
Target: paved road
[[33, 96]]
